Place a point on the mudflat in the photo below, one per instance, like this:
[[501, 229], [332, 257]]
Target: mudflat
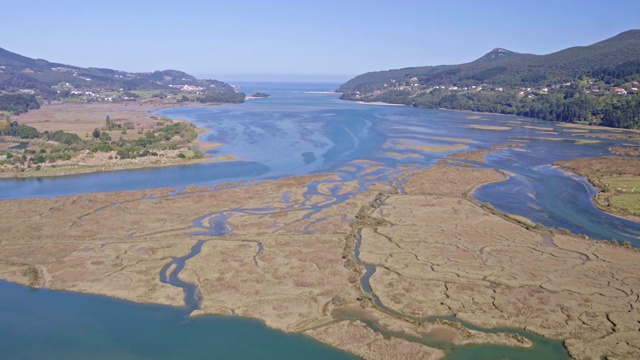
[[291, 258], [494, 272]]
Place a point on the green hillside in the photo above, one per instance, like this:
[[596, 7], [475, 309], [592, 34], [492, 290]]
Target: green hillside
[[23, 80], [596, 84]]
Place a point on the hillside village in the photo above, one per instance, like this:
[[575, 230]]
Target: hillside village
[[27, 83], [596, 84], [588, 86]]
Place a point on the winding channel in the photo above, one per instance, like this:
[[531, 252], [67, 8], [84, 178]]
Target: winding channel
[[542, 348], [215, 225], [296, 134], [192, 296]]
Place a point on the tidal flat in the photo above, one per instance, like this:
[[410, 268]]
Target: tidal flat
[[318, 231], [290, 261]]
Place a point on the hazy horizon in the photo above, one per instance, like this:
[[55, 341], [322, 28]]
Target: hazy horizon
[[275, 78]]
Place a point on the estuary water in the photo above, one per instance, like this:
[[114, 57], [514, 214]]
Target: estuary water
[[45, 324], [301, 129]]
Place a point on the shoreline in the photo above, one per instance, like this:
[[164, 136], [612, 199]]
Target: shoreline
[[561, 124], [600, 189], [377, 103], [87, 169]]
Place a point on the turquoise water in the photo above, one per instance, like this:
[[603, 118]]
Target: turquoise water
[[291, 133], [45, 324]]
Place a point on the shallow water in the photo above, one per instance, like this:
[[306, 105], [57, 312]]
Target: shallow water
[[192, 296], [546, 195], [298, 133], [294, 133], [45, 324]]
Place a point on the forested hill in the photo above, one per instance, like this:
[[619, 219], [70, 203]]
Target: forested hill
[[24, 80], [595, 84]]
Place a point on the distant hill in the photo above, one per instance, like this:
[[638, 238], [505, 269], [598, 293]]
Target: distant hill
[[588, 84], [30, 78]]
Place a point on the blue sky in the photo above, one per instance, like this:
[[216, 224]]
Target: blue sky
[[300, 40]]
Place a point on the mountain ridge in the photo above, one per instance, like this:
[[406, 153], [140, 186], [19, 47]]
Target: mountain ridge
[[49, 81], [572, 85]]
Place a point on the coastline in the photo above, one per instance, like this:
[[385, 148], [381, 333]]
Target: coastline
[[562, 124], [585, 168], [87, 169], [519, 278], [250, 308], [280, 293]]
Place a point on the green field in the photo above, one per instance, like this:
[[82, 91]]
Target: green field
[[626, 193], [624, 184], [630, 202]]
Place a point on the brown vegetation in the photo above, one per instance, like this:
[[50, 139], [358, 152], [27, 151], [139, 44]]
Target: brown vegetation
[[446, 255], [82, 118], [436, 253]]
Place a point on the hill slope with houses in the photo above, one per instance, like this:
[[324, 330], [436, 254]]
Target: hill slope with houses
[[595, 84], [25, 83]]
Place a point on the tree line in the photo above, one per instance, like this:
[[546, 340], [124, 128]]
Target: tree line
[[12, 128], [18, 103]]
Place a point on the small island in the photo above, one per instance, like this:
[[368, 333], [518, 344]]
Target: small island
[[260, 95]]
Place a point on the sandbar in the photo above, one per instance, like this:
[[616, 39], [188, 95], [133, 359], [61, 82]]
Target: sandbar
[[378, 103], [490, 127]]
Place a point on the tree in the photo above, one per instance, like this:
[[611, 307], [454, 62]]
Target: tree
[[18, 103], [104, 136], [95, 133]]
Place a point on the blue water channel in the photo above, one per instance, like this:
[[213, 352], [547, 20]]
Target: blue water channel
[[297, 131]]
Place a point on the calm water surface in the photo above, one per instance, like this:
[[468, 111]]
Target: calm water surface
[[292, 133], [45, 324], [296, 132]]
